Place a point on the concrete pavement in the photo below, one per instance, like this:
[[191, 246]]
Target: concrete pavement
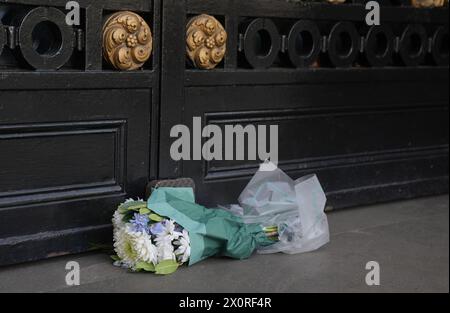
[[409, 239]]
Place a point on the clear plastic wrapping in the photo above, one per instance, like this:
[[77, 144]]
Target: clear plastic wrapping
[[272, 198]]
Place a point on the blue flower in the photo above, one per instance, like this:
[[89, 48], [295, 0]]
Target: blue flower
[[140, 223], [157, 228]]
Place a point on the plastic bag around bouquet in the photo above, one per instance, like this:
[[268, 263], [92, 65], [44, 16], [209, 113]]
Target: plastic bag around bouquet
[[296, 207]]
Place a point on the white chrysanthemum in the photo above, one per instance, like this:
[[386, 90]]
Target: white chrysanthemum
[[123, 246], [133, 247], [165, 249], [132, 200], [145, 248], [118, 220], [169, 233], [183, 252]]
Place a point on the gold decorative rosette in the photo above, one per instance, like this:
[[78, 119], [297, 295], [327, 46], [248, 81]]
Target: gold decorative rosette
[[428, 3], [206, 41], [127, 41]]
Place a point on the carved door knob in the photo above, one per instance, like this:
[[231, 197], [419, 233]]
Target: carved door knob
[[127, 41], [206, 41]]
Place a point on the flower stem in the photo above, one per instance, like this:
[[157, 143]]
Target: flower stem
[[272, 232]]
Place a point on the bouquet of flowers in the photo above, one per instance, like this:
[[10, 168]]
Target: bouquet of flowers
[[171, 229], [146, 241], [276, 214]]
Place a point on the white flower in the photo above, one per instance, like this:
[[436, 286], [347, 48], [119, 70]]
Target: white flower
[[133, 247], [123, 245], [117, 220], [184, 247], [169, 234], [132, 200], [165, 250], [145, 249]]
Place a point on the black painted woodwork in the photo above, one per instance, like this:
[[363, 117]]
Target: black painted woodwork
[[379, 44], [261, 42], [373, 131], [304, 43], [439, 46], [45, 41], [343, 44], [413, 45], [76, 137]]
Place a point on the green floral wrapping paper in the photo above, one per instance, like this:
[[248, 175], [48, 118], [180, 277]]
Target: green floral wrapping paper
[[212, 232]]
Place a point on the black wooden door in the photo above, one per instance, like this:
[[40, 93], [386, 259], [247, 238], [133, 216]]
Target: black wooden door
[[372, 132], [74, 141], [78, 136]]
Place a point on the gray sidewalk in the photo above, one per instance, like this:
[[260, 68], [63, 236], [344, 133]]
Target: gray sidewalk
[[409, 239]]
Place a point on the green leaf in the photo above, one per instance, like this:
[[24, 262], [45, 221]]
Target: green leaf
[[155, 217], [144, 266], [128, 216], [132, 206], [115, 258], [144, 211], [166, 267]]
